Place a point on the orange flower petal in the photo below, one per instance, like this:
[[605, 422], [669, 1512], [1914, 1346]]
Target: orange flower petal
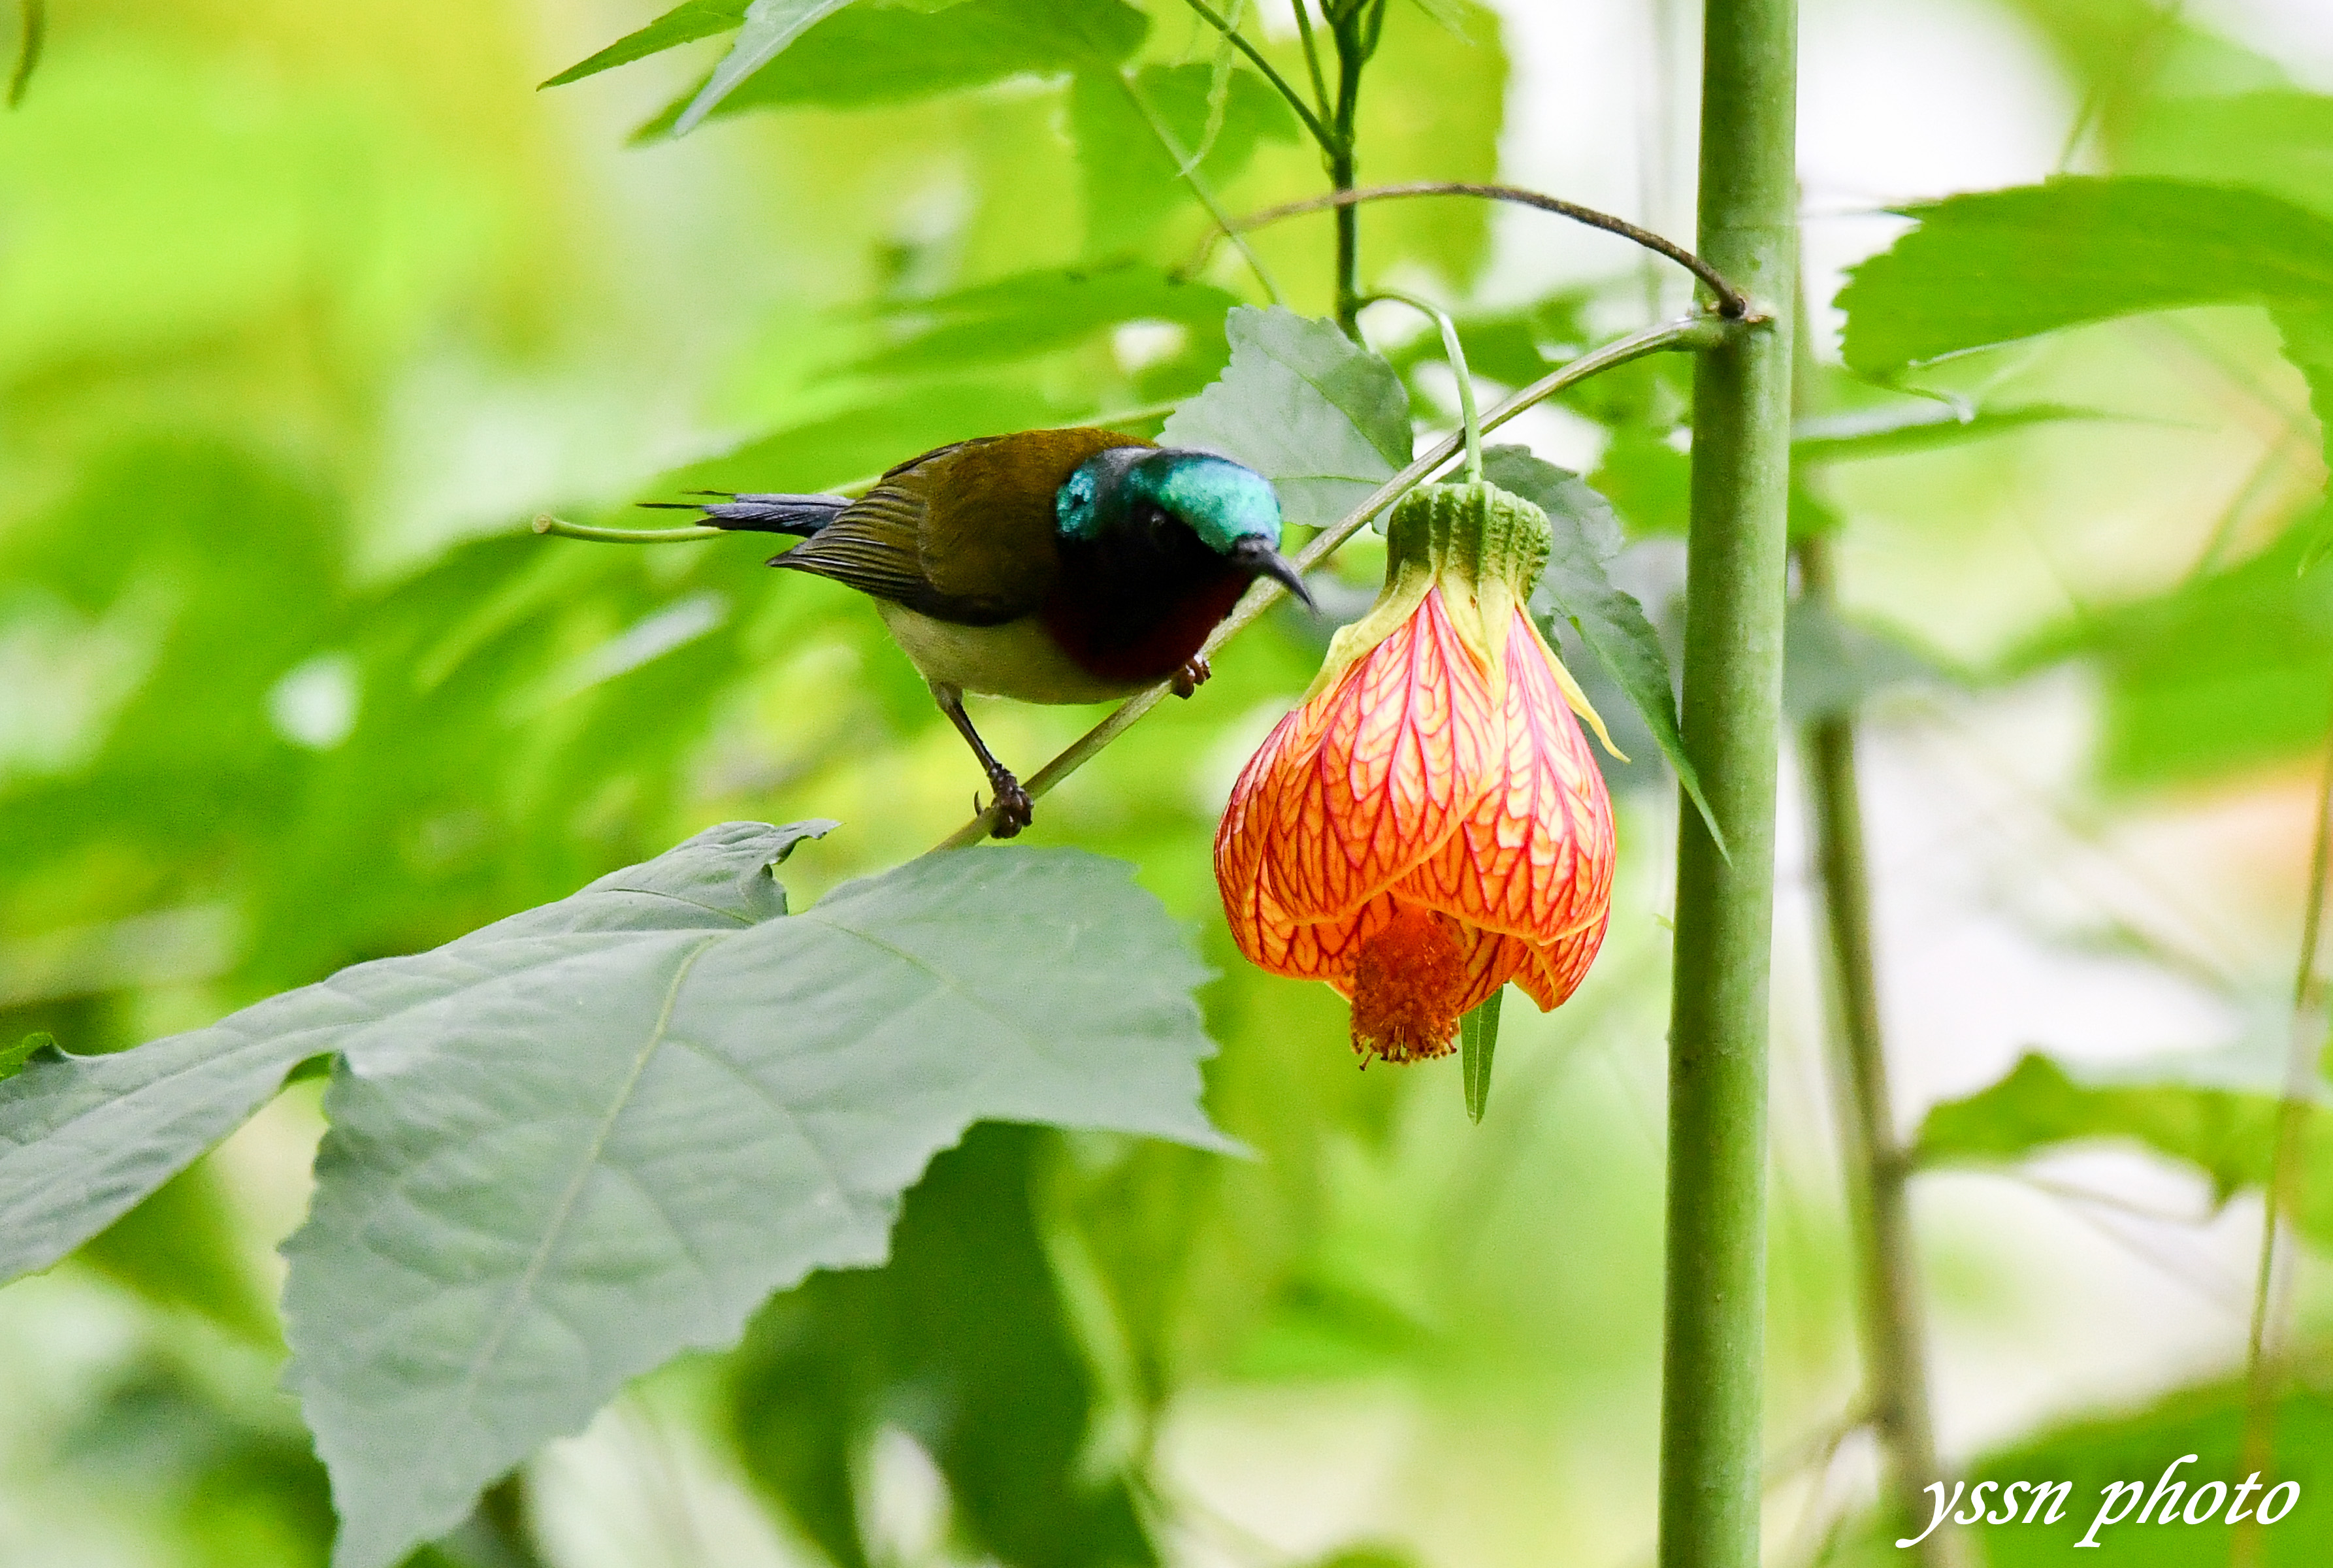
[[1374, 774], [1535, 856], [1556, 968], [1493, 959], [1416, 842]]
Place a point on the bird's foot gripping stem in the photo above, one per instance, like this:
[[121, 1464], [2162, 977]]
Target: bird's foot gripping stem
[[1193, 675], [1014, 809]]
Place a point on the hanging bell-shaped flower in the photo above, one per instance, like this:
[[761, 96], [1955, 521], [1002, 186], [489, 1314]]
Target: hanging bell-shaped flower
[[1429, 824]]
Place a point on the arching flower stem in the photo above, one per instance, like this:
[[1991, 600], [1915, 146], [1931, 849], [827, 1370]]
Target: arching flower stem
[[1470, 426]]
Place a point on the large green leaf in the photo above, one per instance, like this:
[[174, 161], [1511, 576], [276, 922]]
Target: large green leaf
[[2215, 1110], [1577, 588], [1999, 265], [1132, 184], [504, 1232], [84, 1139], [868, 54], [1325, 420], [581, 1139], [962, 1340]]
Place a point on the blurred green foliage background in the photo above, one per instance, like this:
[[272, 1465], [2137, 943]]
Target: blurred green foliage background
[[305, 310]]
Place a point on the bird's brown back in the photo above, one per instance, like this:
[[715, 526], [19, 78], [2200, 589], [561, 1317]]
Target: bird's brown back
[[965, 532]]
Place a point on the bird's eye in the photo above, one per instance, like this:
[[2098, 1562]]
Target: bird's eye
[[1152, 515]]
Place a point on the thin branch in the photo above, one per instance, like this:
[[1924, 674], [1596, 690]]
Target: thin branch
[[1295, 100], [1895, 1375], [2282, 1191], [1731, 302], [1311, 53], [1344, 167], [1694, 331], [1187, 168]]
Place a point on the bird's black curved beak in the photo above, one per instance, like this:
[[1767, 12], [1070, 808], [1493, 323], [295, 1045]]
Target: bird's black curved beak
[[1263, 561]]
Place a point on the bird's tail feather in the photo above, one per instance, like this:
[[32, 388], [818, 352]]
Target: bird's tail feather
[[758, 514]]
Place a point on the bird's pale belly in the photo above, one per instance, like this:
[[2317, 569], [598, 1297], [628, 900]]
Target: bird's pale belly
[[1018, 659]]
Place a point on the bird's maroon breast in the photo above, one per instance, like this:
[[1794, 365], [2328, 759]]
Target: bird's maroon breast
[[1119, 639]]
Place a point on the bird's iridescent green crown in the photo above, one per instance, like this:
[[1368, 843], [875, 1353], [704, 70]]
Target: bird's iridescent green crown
[[1222, 501]]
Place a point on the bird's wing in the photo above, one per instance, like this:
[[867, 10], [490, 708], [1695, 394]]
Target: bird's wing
[[963, 532], [874, 544]]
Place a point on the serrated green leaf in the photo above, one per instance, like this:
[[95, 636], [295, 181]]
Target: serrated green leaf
[[684, 23], [1478, 1042], [84, 1139], [1324, 419], [867, 54], [581, 1140], [1132, 183], [1577, 588], [2001, 265], [769, 26], [2215, 1110]]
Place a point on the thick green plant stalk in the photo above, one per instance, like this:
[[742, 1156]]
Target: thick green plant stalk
[[1355, 28], [1879, 1167], [1711, 1398]]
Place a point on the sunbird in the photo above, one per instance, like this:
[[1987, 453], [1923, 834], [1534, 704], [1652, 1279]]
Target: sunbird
[[1075, 565]]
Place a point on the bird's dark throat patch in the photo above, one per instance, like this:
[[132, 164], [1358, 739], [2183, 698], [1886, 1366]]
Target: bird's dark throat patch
[[1135, 606]]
